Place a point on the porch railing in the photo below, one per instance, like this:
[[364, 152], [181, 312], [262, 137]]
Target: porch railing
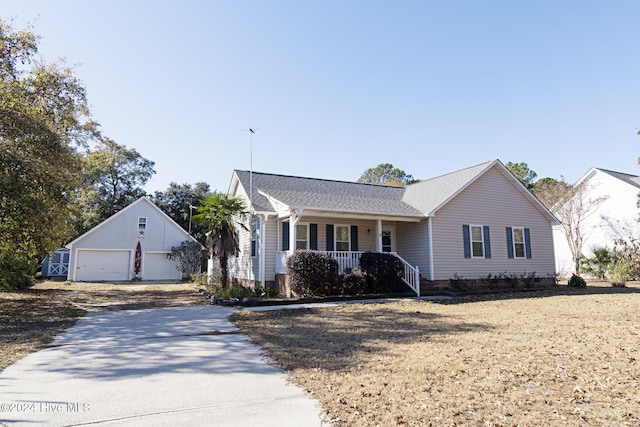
[[349, 259], [411, 274]]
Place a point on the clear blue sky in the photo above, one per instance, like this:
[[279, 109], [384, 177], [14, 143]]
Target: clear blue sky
[[336, 87]]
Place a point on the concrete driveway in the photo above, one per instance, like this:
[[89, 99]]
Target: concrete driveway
[[167, 366]]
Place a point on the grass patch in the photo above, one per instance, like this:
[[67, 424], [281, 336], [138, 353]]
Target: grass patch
[[557, 357]]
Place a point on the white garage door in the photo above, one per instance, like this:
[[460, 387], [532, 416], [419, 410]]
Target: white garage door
[[156, 266], [97, 265]]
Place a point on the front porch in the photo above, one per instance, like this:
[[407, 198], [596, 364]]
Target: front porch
[[351, 259]]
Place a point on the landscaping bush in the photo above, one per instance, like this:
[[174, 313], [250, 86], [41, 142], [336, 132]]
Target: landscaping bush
[[619, 273], [16, 271], [189, 256], [458, 283], [240, 292], [598, 264], [312, 273], [577, 282], [384, 272], [354, 282]]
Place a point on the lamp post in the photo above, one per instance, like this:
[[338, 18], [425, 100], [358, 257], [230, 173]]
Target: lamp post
[[191, 207]]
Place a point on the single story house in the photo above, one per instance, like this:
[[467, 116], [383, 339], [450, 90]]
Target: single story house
[[470, 223], [108, 251], [610, 202]]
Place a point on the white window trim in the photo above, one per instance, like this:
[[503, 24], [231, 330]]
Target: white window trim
[[142, 226], [471, 241], [307, 225], [513, 242], [335, 237], [253, 235]]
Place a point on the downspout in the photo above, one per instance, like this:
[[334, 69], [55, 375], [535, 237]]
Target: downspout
[[430, 231], [379, 236]]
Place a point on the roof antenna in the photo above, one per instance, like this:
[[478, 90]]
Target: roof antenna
[[251, 132]]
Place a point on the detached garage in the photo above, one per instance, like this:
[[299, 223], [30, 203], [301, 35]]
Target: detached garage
[[102, 265], [132, 244]]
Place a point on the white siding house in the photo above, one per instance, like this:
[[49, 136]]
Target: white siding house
[[107, 251], [616, 215], [473, 222]]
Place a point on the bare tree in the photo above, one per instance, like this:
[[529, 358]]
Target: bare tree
[[572, 205]]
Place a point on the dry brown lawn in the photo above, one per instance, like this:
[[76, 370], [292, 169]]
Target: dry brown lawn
[[30, 319], [558, 357]]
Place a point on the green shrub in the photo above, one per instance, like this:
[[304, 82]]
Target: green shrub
[[260, 291], [354, 282], [237, 291], [16, 271], [189, 256], [598, 264], [384, 272], [620, 272], [312, 273], [200, 279], [577, 282]]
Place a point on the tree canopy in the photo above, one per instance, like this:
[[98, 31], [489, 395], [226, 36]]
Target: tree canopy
[[176, 201], [386, 174], [44, 120], [521, 171], [112, 178]]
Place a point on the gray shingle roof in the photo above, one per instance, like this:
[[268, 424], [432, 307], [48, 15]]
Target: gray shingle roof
[[313, 193], [628, 178], [416, 200], [427, 196]]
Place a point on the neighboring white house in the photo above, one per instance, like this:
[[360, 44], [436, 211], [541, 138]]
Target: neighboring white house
[[616, 215], [107, 251], [472, 222]]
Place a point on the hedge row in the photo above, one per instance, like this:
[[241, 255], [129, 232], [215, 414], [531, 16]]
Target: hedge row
[[313, 273]]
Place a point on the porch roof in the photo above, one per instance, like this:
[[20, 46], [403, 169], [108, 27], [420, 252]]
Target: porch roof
[[325, 195]]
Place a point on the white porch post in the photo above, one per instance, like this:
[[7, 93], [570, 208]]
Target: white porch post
[[292, 233], [430, 231], [296, 214], [261, 251], [379, 236]]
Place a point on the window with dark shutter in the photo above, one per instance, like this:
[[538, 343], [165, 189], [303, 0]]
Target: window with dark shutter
[[476, 241]]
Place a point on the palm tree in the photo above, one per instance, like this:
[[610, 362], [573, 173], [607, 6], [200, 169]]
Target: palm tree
[[218, 212]]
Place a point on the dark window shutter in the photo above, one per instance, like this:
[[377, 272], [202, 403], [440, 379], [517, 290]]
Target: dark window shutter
[[527, 242], [466, 238], [313, 237], [330, 237], [487, 242], [285, 236], [354, 238], [510, 242]]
